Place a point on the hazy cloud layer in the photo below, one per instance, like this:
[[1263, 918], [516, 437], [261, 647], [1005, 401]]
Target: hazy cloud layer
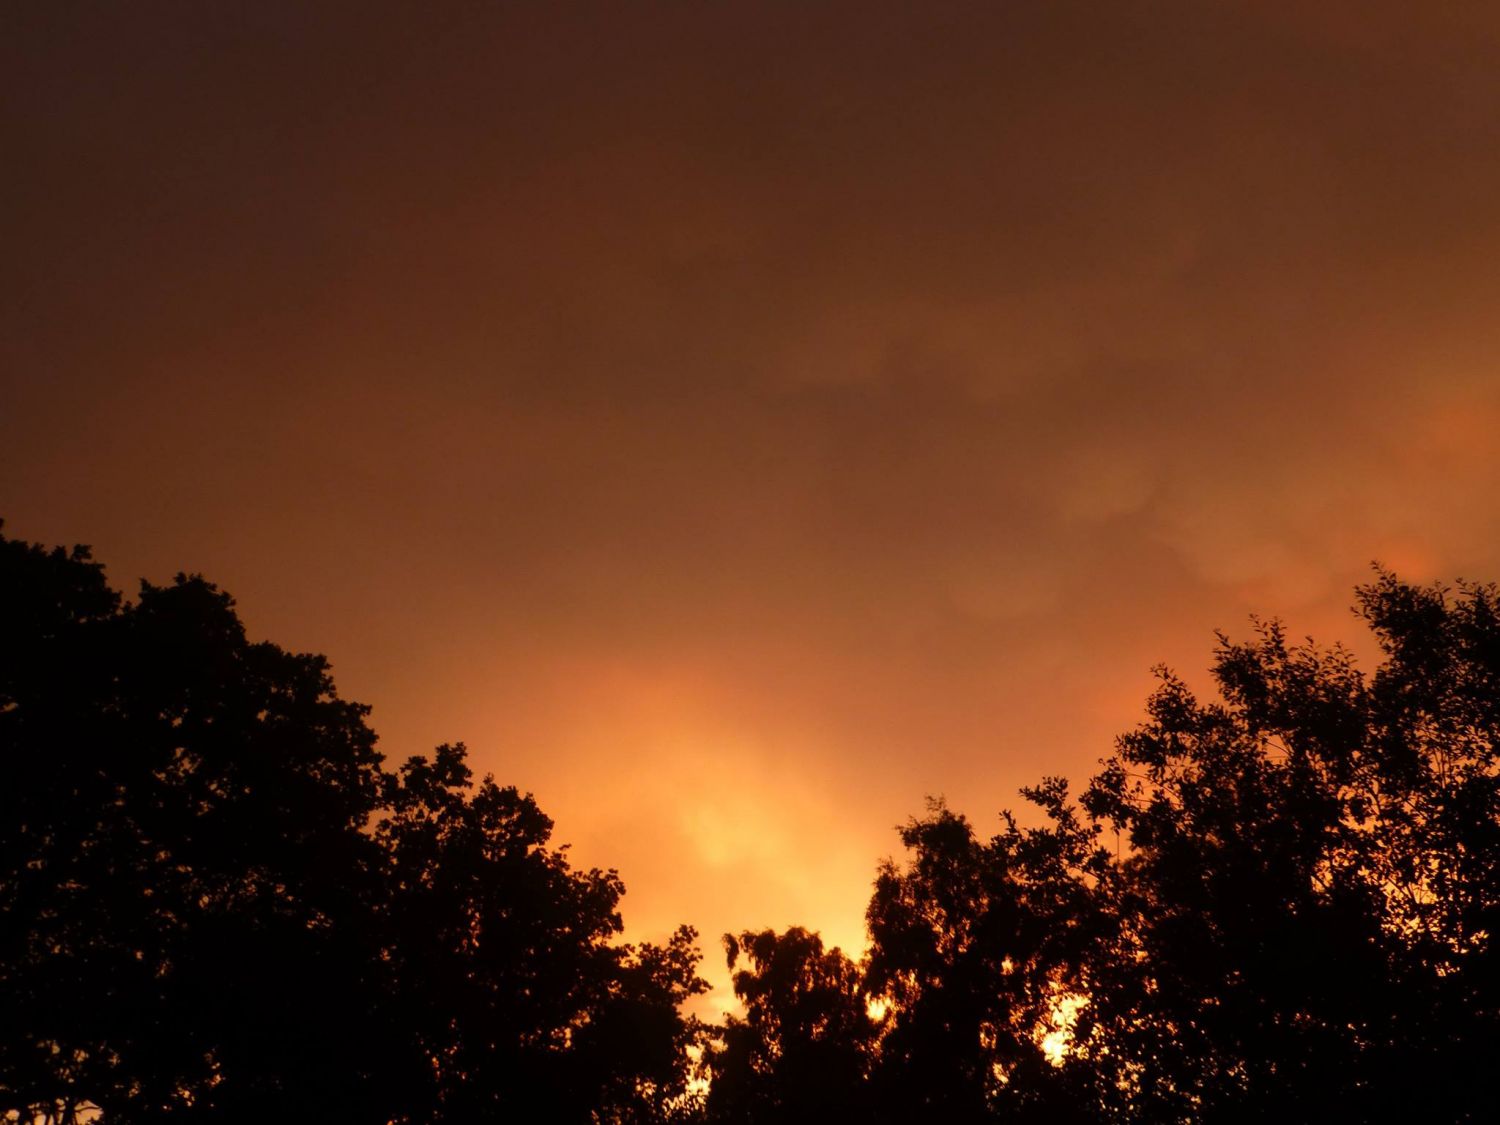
[[738, 421]]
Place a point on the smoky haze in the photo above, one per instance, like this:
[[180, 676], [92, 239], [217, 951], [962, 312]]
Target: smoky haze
[[738, 421]]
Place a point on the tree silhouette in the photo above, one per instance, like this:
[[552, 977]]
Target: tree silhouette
[[216, 904], [181, 851], [501, 961], [971, 944], [1311, 885], [1275, 905], [802, 1050]]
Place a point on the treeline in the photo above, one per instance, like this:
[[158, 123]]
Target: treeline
[[217, 904]]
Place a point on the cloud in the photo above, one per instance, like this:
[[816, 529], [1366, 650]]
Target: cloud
[[738, 423]]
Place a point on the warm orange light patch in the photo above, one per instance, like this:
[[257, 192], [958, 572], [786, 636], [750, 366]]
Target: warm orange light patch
[[1057, 1038]]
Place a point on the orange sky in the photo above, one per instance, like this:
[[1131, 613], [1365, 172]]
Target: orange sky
[[739, 421]]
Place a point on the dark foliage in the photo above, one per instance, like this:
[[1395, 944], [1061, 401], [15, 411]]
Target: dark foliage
[[501, 969], [970, 944], [802, 1052], [216, 905], [1279, 905], [1310, 895]]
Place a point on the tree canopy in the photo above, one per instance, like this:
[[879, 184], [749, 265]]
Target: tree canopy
[[802, 1052], [1278, 904], [218, 904]]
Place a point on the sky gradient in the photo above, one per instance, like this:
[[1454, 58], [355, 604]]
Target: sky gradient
[[737, 422]]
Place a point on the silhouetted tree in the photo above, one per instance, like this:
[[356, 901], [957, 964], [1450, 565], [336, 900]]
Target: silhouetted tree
[[971, 948], [1277, 905], [515, 998], [182, 855], [801, 1052], [1311, 888], [216, 905]]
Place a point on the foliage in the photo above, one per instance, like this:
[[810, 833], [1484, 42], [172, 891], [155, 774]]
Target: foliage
[[501, 963], [1279, 904], [216, 904], [1311, 887], [969, 944], [802, 1051]]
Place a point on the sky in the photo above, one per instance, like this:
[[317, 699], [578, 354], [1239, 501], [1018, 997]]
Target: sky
[[739, 422]]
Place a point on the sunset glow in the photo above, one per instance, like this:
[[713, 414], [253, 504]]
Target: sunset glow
[[738, 423]]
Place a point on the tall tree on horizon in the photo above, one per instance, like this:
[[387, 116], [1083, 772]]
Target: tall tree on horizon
[[803, 1049], [216, 904], [1309, 897], [1279, 904]]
